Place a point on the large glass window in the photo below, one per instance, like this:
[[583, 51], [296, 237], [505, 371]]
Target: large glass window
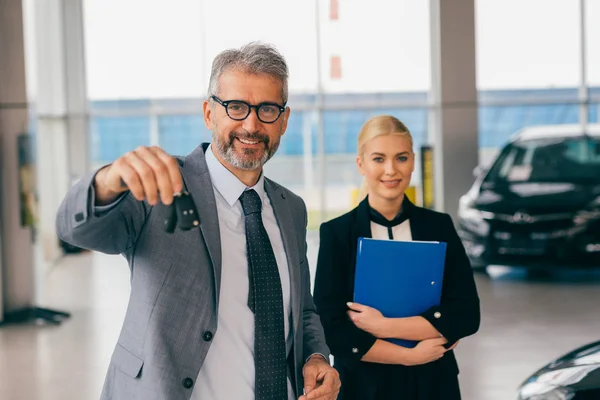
[[592, 34]]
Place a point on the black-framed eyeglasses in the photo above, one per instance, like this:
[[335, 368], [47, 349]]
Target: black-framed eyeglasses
[[239, 110]]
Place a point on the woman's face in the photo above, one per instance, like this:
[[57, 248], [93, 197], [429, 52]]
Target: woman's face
[[387, 163]]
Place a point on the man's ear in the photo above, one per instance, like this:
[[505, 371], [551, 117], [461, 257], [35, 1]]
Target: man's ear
[[208, 114], [284, 123]]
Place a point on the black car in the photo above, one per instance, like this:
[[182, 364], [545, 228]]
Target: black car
[[574, 376], [539, 202]]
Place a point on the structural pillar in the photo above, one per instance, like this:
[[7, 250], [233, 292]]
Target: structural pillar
[[62, 110], [453, 126], [16, 243]]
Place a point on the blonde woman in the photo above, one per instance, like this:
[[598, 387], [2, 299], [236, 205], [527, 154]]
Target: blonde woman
[[371, 368]]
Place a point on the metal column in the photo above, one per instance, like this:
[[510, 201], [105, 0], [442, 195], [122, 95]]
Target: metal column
[[17, 179], [16, 275], [584, 99], [453, 129]]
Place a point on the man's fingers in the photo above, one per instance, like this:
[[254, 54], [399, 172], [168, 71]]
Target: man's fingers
[[132, 181], [172, 168], [146, 175], [161, 173], [327, 389], [321, 393], [310, 378], [329, 378]]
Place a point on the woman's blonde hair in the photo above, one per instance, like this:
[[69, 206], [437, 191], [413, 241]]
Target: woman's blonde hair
[[378, 126]]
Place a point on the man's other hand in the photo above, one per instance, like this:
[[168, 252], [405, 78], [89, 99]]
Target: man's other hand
[[321, 380]]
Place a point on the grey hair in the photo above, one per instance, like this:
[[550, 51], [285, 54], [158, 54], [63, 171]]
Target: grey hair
[[254, 58]]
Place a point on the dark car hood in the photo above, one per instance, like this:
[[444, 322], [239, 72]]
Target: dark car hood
[[579, 369], [535, 198]]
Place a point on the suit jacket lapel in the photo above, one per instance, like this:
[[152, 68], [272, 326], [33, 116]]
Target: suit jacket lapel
[[197, 181], [281, 209]]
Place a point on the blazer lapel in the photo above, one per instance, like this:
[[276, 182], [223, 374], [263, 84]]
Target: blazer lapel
[[418, 230], [362, 228], [363, 221], [197, 181], [283, 215]]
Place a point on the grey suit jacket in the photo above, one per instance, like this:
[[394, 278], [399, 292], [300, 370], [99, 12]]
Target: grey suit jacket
[[175, 280]]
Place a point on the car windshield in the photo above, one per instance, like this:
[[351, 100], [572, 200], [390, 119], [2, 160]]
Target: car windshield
[[548, 160]]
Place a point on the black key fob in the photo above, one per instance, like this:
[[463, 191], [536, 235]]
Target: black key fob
[[187, 215], [171, 221], [182, 212]]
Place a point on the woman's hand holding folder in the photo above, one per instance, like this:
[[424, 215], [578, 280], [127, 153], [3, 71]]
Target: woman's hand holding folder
[[371, 320], [427, 351], [368, 319]]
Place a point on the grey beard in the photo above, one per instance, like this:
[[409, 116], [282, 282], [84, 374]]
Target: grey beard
[[231, 157], [227, 152]]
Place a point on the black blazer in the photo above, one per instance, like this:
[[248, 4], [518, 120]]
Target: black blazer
[[458, 316]]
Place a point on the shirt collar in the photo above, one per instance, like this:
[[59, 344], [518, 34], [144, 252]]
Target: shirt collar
[[226, 183]]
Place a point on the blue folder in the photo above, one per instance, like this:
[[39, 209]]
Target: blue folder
[[400, 279]]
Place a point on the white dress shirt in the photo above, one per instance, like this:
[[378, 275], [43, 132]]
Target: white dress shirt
[[400, 232], [228, 371]]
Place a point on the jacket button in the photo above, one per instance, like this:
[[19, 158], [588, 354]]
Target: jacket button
[[354, 350], [187, 383], [437, 314], [207, 336]]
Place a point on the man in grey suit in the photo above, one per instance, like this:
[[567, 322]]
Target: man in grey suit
[[223, 312]]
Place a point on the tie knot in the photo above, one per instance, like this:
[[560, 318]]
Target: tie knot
[[251, 203]]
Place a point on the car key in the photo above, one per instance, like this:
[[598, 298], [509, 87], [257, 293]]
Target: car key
[[182, 212]]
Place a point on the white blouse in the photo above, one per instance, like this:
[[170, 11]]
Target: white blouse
[[400, 232]]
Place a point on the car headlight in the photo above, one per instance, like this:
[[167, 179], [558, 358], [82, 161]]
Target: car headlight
[[586, 216], [468, 212], [591, 213], [543, 391]]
